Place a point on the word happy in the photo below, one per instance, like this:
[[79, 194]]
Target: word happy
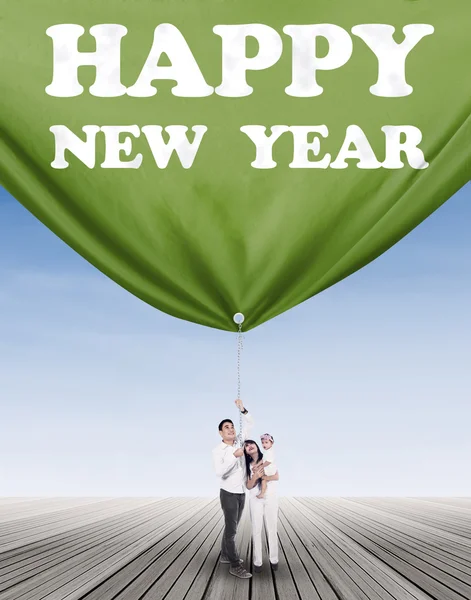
[[191, 83]]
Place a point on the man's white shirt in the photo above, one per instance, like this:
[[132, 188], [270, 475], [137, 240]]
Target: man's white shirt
[[230, 469]]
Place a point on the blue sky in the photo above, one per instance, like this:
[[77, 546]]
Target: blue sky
[[366, 387]]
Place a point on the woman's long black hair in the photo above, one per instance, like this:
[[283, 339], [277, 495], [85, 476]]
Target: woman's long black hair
[[248, 458]]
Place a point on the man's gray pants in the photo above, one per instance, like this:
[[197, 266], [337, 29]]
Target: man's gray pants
[[232, 506]]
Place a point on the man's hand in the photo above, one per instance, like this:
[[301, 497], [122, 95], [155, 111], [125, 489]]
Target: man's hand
[[238, 453], [239, 405]]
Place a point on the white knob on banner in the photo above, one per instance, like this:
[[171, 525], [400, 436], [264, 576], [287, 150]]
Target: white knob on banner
[[239, 318]]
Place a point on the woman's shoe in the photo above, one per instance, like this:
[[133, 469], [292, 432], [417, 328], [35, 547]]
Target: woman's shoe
[[257, 568], [274, 566]]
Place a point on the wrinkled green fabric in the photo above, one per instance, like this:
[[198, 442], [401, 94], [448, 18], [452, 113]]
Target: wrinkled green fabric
[[220, 237]]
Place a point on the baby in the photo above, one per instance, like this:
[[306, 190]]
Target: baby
[[268, 461]]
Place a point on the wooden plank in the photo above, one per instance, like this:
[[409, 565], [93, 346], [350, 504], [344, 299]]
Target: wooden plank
[[30, 563], [199, 570], [344, 586], [64, 514], [41, 529], [169, 549], [445, 521], [367, 571], [222, 585], [322, 586], [45, 545], [108, 584], [397, 520], [163, 563], [436, 583], [200, 584], [98, 561], [447, 549], [292, 572], [464, 503], [175, 564], [4, 500], [31, 508], [416, 537], [262, 584]]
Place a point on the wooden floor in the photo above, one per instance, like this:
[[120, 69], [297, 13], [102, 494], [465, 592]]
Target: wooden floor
[[134, 549]]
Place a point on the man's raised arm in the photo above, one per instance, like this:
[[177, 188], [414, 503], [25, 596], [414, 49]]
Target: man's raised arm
[[247, 420]]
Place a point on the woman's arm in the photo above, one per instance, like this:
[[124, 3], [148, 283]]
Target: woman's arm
[[251, 482]]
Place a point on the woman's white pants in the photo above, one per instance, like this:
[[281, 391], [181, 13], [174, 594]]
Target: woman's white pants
[[260, 510]]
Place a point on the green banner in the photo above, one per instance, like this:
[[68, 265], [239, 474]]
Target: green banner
[[223, 156]]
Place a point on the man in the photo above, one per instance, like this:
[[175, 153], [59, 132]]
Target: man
[[230, 467]]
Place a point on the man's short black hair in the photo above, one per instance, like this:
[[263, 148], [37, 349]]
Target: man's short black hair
[[221, 424]]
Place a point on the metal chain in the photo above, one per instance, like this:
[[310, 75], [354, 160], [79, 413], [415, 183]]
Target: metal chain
[[239, 352]]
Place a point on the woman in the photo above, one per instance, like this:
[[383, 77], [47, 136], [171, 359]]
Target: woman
[[261, 508]]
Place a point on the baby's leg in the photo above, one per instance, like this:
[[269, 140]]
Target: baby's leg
[[263, 490]]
